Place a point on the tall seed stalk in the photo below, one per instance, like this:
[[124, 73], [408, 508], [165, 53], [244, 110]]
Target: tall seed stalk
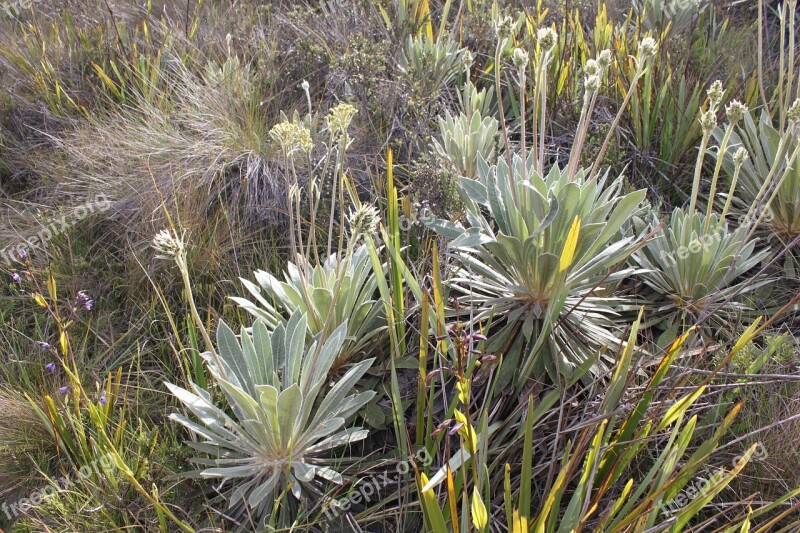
[[647, 49]]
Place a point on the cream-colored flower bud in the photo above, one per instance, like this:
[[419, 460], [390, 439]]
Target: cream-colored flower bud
[[591, 68], [592, 83], [604, 59], [283, 133], [708, 121], [648, 47], [467, 58], [547, 39], [735, 111], [740, 156], [715, 93], [520, 58], [504, 28], [291, 137], [364, 220], [794, 112], [340, 117], [303, 140], [167, 245]]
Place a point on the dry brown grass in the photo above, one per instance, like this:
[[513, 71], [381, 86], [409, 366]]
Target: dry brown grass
[[24, 446]]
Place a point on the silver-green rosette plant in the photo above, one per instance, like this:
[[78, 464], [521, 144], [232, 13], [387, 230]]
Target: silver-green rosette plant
[[695, 271], [329, 295], [281, 419], [536, 259], [769, 152], [465, 137], [437, 63]]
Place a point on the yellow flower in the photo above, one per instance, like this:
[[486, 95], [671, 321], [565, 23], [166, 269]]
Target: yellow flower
[[463, 391], [466, 432], [520, 523], [339, 118], [292, 137], [568, 253], [479, 515]]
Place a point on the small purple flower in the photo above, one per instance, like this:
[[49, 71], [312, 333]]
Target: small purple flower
[[44, 346], [50, 367], [16, 278], [85, 301], [455, 428], [23, 255], [63, 390], [441, 427], [103, 400]]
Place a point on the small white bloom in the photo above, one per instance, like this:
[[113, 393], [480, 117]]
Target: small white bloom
[[592, 68], [340, 117], [604, 59], [715, 93], [520, 58], [467, 58], [740, 156], [592, 83], [735, 111], [648, 47], [547, 38], [504, 28], [168, 245], [794, 112], [708, 121], [364, 220]]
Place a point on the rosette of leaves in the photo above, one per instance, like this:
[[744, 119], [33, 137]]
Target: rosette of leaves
[[434, 63], [673, 16], [536, 259], [763, 142], [283, 418], [693, 270], [330, 294], [464, 138]]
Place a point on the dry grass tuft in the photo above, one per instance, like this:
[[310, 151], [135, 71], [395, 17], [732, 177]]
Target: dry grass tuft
[[25, 446]]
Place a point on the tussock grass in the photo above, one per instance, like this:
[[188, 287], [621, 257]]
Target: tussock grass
[[25, 447]]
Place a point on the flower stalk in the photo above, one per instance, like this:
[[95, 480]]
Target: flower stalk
[[648, 48]]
